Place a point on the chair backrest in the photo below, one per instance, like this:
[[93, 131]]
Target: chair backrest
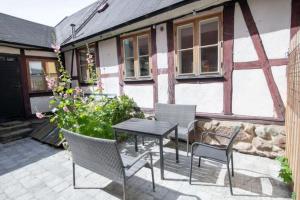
[[98, 155], [236, 131], [181, 114]]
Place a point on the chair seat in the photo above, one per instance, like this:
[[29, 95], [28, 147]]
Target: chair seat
[[182, 133], [127, 160], [207, 152]]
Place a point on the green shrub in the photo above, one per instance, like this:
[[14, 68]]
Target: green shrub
[[285, 172]]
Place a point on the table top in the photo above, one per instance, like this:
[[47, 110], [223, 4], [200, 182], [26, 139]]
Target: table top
[[145, 126]]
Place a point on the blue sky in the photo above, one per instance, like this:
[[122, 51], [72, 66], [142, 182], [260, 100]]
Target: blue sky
[[48, 12]]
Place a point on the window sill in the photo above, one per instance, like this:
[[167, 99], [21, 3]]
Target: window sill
[[138, 80], [200, 78], [40, 93]]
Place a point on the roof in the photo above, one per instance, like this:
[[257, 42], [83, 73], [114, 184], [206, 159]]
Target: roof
[[117, 13], [20, 31]]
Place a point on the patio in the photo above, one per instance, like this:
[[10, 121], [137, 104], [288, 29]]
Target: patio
[[31, 170]]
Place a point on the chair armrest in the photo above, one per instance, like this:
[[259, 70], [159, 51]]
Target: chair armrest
[[151, 118], [207, 145], [135, 160], [191, 125]]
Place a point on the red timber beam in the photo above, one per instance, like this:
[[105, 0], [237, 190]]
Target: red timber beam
[[121, 82], [264, 61], [154, 65], [228, 37], [295, 18], [171, 68], [257, 64]]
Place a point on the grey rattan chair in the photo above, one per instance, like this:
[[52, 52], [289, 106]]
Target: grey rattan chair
[[184, 115], [102, 157], [222, 154]]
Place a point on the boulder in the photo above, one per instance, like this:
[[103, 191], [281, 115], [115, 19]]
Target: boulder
[[242, 146], [262, 133], [244, 136], [279, 141], [273, 130], [250, 129], [261, 144]]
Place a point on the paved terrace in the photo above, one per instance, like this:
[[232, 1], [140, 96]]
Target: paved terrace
[[31, 170]]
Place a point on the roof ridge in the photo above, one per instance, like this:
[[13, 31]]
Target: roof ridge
[[26, 20]]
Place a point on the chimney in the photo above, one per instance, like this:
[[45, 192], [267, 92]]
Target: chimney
[[73, 30]]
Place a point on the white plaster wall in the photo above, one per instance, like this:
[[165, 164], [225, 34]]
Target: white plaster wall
[[141, 94], [251, 95], [162, 46], [279, 74], [162, 85], [109, 65], [9, 50], [68, 62], [40, 53], [273, 20], [39, 104], [208, 97], [243, 47], [111, 85]]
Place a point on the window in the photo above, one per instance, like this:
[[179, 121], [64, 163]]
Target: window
[[136, 52], [84, 72], [38, 70], [198, 46]]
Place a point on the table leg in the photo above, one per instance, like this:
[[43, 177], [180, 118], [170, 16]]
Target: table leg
[[161, 152], [136, 143], [176, 144]]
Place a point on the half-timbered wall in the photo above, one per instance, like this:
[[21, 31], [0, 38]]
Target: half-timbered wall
[[255, 46]]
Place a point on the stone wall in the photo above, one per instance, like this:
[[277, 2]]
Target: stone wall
[[263, 140]]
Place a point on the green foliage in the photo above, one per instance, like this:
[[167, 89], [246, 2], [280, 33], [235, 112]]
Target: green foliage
[[294, 195], [285, 172], [74, 111]]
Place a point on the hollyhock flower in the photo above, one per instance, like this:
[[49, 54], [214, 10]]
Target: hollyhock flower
[[99, 85], [65, 96], [56, 48], [50, 82], [78, 90], [39, 115], [65, 108]]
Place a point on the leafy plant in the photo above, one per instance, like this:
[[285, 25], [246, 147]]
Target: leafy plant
[[87, 115], [285, 172], [294, 195]]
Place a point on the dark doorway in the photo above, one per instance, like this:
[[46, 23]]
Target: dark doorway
[[11, 100]]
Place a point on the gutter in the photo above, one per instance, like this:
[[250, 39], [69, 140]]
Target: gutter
[[22, 45]]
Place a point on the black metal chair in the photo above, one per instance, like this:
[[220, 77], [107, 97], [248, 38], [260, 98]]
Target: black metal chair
[[222, 154]]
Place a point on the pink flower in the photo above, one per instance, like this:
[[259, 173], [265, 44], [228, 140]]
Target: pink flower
[[78, 90], [50, 82], [56, 48], [65, 96], [39, 115], [65, 108]]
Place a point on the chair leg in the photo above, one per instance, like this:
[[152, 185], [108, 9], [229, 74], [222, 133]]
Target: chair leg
[[229, 177], [199, 164], [232, 164], [143, 141], [187, 147], [124, 190], [73, 167], [152, 173], [191, 168]]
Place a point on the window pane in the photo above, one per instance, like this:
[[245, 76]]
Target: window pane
[[185, 38], [129, 67], [128, 48], [143, 45], [209, 59], [37, 78], [209, 33], [186, 61], [144, 66]]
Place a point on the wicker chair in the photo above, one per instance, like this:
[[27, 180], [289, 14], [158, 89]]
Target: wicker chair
[[184, 115], [222, 154], [102, 157]]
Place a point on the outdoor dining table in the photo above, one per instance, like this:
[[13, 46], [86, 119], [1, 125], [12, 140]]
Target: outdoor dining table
[[149, 128]]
